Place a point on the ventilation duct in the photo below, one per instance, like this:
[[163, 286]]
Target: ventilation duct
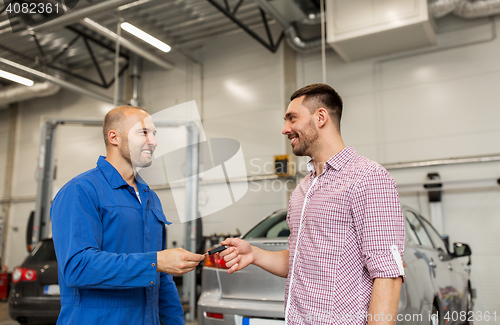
[[296, 43], [464, 8], [476, 9], [441, 8], [19, 93], [300, 45]]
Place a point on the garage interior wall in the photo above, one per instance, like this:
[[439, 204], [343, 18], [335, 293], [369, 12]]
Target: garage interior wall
[[428, 104]]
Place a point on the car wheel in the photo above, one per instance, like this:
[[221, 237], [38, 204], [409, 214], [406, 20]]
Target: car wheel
[[435, 312], [469, 320]]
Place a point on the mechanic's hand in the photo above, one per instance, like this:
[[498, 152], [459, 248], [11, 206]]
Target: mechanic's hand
[[239, 255], [177, 261]]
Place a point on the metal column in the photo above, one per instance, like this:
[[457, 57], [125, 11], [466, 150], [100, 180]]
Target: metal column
[[45, 177], [192, 164], [9, 175], [135, 74]]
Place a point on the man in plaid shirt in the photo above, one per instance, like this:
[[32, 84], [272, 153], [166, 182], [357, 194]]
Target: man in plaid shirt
[[343, 264]]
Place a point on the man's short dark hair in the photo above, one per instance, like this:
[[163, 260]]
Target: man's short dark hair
[[321, 95]]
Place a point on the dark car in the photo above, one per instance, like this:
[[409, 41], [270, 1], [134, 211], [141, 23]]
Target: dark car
[[34, 295], [437, 279]]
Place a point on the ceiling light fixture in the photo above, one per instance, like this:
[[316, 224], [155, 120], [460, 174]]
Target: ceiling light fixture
[[146, 37], [16, 78]]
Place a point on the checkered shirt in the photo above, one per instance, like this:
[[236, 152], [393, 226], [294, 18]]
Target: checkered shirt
[[346, 229]]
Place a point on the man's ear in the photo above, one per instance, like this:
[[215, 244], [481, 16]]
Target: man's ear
[[322, 116], [113, 137]]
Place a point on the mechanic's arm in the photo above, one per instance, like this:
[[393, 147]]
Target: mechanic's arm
[[78, 235], [384, 301], [170, 308], [240, 254]]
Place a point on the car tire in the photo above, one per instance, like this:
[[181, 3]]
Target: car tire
[[435, 320]]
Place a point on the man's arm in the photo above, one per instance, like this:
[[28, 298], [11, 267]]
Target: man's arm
[[380, 229], [384, 301], [241, 254], [78, 235]]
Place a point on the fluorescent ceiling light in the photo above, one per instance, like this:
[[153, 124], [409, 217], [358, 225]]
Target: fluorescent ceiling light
[[133, 4], [146, 37], [16, 78]]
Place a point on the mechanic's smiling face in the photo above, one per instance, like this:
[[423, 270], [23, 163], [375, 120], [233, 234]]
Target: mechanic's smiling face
[[140, 143]]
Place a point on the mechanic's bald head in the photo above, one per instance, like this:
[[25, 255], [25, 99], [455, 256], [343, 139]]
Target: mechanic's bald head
[[116, 120]]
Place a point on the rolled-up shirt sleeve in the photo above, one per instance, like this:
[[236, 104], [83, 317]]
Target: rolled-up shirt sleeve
[[379, 224]]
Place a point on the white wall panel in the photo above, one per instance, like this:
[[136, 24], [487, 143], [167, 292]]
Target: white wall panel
[[348, 79], [443, 147], [442, 65], [458, 116], [230, 95], [162, 89], [247, 83], [259, 132], [360, 116]]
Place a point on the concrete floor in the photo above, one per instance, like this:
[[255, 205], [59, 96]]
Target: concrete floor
[[4, 315], [5, 319]]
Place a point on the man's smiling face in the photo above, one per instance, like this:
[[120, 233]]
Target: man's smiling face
[[300, 127]]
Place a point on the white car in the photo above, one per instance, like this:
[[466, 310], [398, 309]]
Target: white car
[[437, 280]]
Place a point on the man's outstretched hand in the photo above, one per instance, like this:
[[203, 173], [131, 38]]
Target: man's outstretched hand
[[239, 255]]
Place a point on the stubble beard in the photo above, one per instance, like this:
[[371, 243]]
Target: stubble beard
[[138, 162], [125, 151], [306, 140]]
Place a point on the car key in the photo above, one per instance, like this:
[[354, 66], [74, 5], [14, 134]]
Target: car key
[[216, 250]]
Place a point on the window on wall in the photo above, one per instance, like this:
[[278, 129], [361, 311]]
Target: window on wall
[[418, 229]]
